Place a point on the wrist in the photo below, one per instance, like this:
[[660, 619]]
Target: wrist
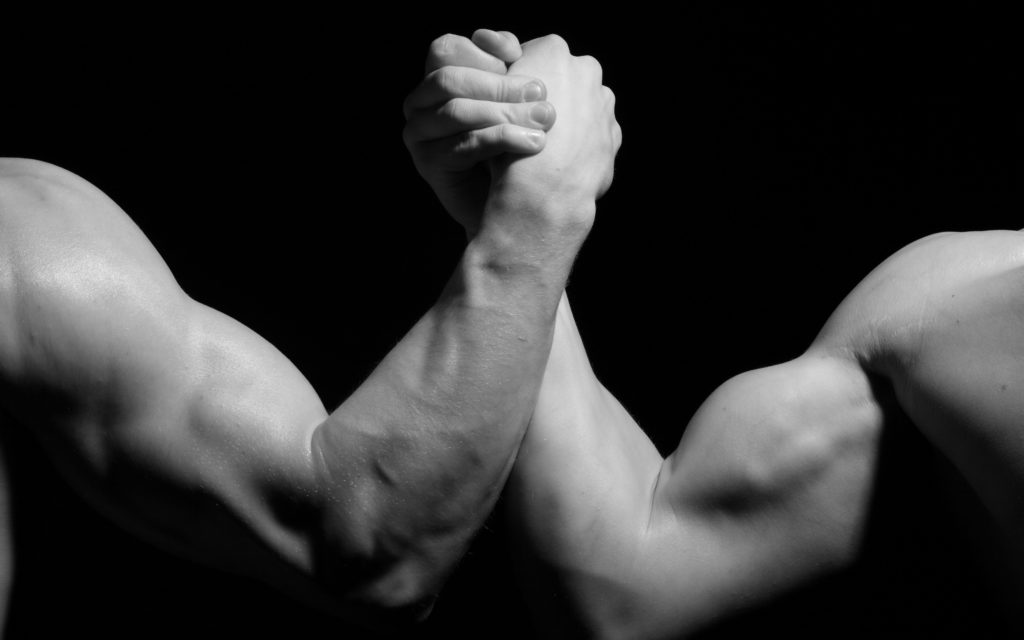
[[498, 268], [536, 220]]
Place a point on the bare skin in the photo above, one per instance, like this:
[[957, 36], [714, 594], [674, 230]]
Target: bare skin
[[770, 485], [192, 431]]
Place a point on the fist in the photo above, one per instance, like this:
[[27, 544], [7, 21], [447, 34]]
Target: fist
[[561, 183], [468, 110]]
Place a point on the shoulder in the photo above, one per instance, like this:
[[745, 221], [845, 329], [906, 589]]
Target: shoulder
[[56, 226], [39, 186], [61, 235], [29, 168], [182, 423], [886, 320], [82, 291], [26, 171], [43, 205]]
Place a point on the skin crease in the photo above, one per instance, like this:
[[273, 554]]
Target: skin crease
[[188, 429], [770, 485]]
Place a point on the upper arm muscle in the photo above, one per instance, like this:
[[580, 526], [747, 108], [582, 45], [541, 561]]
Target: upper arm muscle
[[170, 415], [769, 487]]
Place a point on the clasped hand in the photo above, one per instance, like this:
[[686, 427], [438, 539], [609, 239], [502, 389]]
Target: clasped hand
[[481, 133]]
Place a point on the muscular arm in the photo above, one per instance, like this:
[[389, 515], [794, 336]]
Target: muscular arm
[[189, 428], [769, 485], [768, 488], [635, 545], [415, 458]]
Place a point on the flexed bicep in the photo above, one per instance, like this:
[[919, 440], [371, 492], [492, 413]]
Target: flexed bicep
[[177, 421], [769, 488]]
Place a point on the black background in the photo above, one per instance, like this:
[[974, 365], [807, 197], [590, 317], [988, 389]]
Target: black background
[[770, 160]]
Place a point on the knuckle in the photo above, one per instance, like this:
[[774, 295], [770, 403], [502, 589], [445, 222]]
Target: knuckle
[[609, 96], [511, 37], [408, 136], [441, 46], [433, 79], [592, 65], [555, 41], [407, 107], [445, 80], [451, 110]]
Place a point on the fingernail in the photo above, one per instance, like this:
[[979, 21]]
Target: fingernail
[[533, 92], [540, 113], [536, 138]]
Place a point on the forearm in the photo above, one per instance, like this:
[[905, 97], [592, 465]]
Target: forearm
[[580, 494], [413, 461]]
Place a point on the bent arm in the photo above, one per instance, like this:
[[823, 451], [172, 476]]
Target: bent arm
[[413, 461], [193, 431], [768, 488]]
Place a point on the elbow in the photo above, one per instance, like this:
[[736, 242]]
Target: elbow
[[614, 617], [385, 588], [374, 552], [391, 604]]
